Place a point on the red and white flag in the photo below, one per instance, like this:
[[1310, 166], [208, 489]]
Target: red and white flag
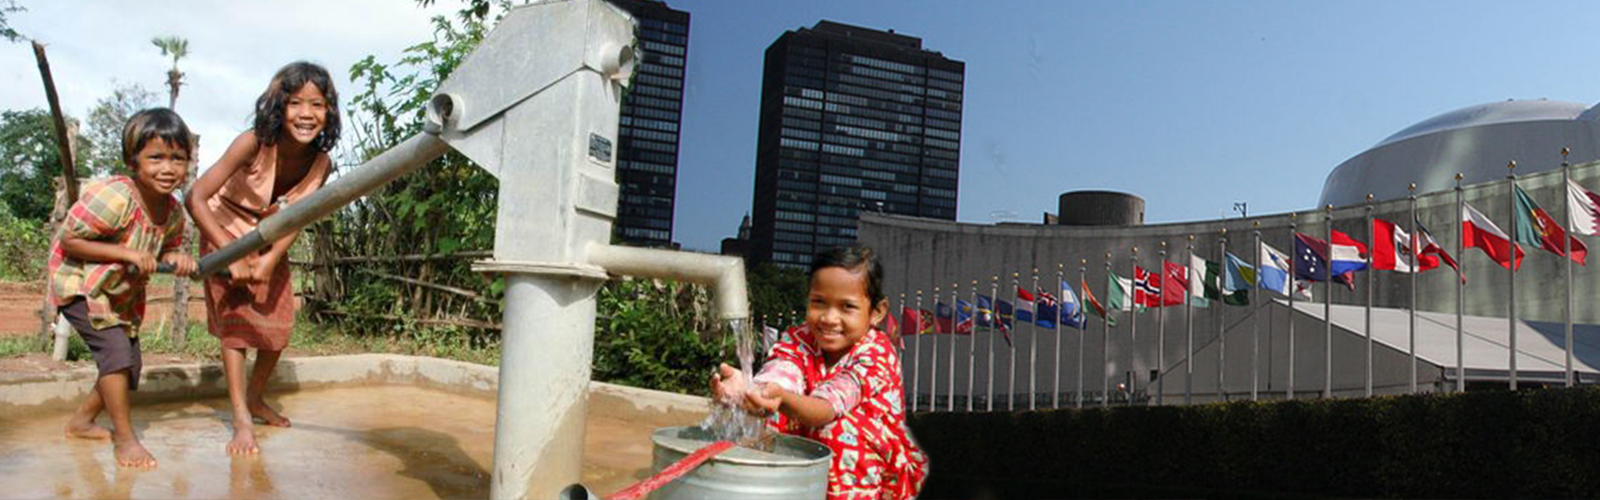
[[1585, 214], [1480, 232], [1146, 288]]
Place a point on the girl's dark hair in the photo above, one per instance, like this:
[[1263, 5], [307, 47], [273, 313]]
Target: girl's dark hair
[[856, 259], [272, 103], [153, 123]]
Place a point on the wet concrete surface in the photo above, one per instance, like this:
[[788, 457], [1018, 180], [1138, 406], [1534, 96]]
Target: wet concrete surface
[[385, 441]]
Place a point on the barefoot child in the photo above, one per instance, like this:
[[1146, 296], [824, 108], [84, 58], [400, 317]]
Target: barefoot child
[[836, 379], [281, 160], [102, 259]]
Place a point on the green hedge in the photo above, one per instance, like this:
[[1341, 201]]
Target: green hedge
[[1495, 444]]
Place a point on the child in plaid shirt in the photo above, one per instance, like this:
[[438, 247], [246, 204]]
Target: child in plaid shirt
[[102, 259]]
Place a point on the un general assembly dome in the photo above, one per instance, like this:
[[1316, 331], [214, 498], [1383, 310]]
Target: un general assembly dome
[[1476, 141]]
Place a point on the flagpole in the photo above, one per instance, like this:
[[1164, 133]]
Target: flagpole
[[972, 346], [1133, 327], [1188, 326], [1461, 366], [1372, 239], [1222, 322], [1292, 292], [1061, 297], [1011, 387], [1083, 264], [1566, 247], [933, 361], [1416, 264], [1511, 267], [1255, 320], [916, 359], [956, 324], [1327, 309], [1161, 331], [1033, 347], [995, 324], [1105, 342]]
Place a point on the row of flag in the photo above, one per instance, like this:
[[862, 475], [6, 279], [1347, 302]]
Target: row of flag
[[1229, 281]]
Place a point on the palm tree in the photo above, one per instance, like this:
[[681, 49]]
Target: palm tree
[[177, 48]]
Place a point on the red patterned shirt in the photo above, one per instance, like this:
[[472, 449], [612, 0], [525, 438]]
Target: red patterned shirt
[[109, 211], [874, 456]]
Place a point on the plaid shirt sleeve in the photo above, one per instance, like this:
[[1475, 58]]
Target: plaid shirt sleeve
[[102, 210]]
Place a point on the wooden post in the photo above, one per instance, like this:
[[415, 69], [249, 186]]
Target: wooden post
[[69, 179], [178, 329]]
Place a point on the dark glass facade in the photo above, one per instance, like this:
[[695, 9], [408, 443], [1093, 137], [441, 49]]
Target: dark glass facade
[[852, 119], [647, 156]]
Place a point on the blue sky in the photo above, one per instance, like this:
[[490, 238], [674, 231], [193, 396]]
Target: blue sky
[[1192, 105]]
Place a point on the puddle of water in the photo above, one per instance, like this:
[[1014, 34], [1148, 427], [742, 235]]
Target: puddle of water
[[355, 442]]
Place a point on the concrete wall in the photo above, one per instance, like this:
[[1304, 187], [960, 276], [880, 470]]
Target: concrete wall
[[921, 254]]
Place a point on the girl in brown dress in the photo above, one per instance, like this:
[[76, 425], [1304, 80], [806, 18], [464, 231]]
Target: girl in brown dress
[[281, 160]]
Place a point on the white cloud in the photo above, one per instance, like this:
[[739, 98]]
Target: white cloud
[[234, 48]]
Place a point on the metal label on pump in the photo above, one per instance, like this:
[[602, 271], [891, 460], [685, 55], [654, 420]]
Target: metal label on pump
[[600, 148]]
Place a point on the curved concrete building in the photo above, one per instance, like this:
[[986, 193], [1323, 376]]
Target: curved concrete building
[[1240, 351], [1477, 141]]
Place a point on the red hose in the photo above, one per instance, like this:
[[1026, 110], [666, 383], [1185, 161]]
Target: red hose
[[672, 472]]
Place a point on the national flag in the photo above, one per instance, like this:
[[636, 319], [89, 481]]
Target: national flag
[[1046, 310], [1313, 262], [1146, 288], [1211, 281], [1071, 311], [1393, 250], [1119, 292], [1237, 281], [1088, 295], [910, 322], [985, 311], [1174, 283], [1477, 231], [925, 322], [943, 318], [1005, 313], [1024, 297], [1584, 216], [1430, 248], [964, 317], [1274, 273], [1536, 227], [1197, 276]]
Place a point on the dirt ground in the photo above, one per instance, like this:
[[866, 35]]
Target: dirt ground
[[19, 306]]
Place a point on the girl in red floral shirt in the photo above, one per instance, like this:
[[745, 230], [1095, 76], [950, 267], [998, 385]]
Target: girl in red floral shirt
[[836, 379]]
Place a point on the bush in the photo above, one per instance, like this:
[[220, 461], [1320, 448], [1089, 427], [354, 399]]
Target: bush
[[1497, 444], [658, 334], [23, 247]]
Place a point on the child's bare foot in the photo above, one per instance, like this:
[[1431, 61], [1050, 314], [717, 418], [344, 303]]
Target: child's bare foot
[[244, 441], [85, 429], [269, 416], [132, 454]]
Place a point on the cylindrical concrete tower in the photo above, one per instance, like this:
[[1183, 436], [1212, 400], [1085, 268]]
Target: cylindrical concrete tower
[[1100, 208]]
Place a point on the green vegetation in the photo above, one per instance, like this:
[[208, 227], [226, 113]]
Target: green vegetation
[[23, 247], [1494, 444]]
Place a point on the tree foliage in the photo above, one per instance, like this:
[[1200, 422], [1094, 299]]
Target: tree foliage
[[106, 119], [29, 160], [8, 7], [22, 247]]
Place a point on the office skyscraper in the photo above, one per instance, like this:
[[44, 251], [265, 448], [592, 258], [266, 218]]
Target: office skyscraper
[[647, 153], [852, 119]]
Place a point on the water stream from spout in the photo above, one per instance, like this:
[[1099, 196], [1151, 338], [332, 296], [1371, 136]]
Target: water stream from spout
[[727, 420]]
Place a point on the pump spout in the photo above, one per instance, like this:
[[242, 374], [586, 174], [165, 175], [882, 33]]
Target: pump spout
[[726, 274]]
